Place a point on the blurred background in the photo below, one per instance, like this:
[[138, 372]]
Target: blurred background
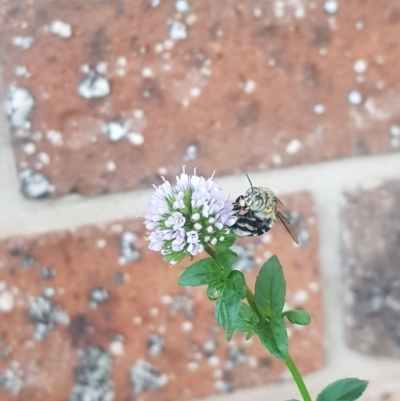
[[103, 98]]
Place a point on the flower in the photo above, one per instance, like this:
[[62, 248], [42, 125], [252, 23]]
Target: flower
[[185, 218]]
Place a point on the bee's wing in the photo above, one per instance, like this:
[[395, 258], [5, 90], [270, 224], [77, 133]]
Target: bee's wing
[[291, 230], [280, 203]]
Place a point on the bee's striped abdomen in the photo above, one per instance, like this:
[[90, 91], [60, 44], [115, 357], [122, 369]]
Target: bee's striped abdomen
[[248, 225]]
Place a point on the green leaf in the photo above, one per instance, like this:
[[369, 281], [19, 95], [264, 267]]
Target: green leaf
[[297, 316], [273, 336], [205, 271], [250, 334], [270, 289], [246, 320], [226, 243], [211, 291], [343, 390], [226, 258], [229, 301]]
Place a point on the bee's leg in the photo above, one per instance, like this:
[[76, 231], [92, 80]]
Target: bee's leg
[[240, 204]]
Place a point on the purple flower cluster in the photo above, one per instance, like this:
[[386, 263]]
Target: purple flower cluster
[[184, 218]]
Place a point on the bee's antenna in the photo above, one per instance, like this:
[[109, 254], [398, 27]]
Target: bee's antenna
[[249, 181]]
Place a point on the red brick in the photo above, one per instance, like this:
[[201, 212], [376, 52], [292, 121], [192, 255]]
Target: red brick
[[238, 94], [371, 276], [125, 309]]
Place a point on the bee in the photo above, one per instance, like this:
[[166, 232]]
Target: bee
[[257, 211]]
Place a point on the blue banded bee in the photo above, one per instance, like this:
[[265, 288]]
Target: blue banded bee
[[257, 211]]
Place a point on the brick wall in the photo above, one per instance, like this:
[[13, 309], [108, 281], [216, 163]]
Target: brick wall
[[104, 97]]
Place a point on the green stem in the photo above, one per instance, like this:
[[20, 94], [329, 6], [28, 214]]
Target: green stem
[[297, 378], [211, 252]]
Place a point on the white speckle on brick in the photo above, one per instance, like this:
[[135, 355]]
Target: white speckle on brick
[[137, 320], [115, 131], [360, 79], [6, 302], [55, 137], [94, 87], [85, 69], [62, 29], [155, 3], [257, 12], [138, 114], [195, 92], [136, 138], [158, 48], [249, 86], [178, 31], [279, 9], [293, 146], [49, 292], [145, 377], [314, 286], [11, 379], [277, 160], [101, 68], [191, 19], [162, 170], [220, 386], [34, 185], [218, 373], [101, 243], [166, 299], [271, 62], [110, 166], [18, 106], [23, 42], [331, 6], [121, 61], [29, 148], [117, 348], [147, 72], [213, 361], [355, 98], [182, 6], [299, 12], [319, 109], [192, 366], [154, 311], [374, 109], [360, 66], [205, 71], [394, 130], [98, 296], [169, 44], [187, 326], [359, 25], [191, 153], [300, 296], [21, 71]]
